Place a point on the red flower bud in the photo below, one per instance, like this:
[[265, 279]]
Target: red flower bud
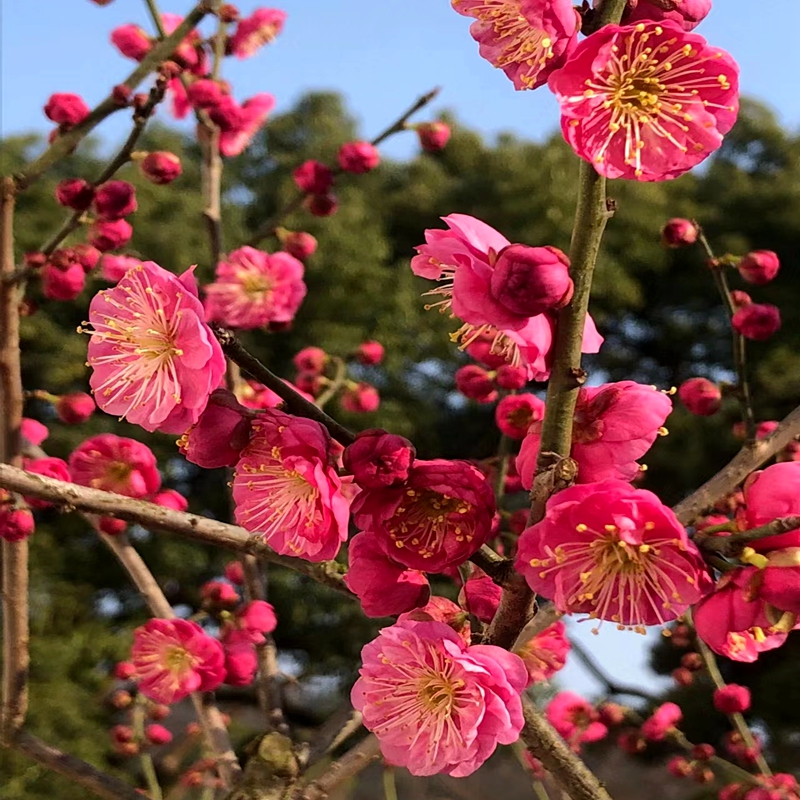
[[378, 459], [63, 283], [112, 526], [161, 167], [121, 95], [679, 767], [433, 136], [75, 193], [86, 255], [531, 280], [204, 93], [732, 699], [114, 200], [511, 377], [75, 408], [313, 177], [66, 109], [692, 661], [679, 233], [757, 321], [132, 41], [360, 399], [234, 572], [158, 711], [683, 676], [358, 157], [311, 360], [16, 524], [703, 752], [120, 699], [759, 267], [321, 205], [474, 382], [740, 298], [299, 244], [124, 670], [228, 13], [157, 734], [121, 734], [370, 353], [107, 236], [700, 396]]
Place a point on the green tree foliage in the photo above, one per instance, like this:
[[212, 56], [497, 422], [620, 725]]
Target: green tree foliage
[[657, 308]]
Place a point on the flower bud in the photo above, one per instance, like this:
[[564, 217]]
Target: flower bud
[[732, 699], [120, 734], [700, 396], [228, 13], [34, 431], [35, 260], [86, 255], [75, 408], [692, 661], [107, 236], [309, 382], [66, 109], [258, 618], [310, 359], [740, 298], [132, 41], [631, 742], [759, 267], [75, 193], [217, 595], [124, 670], [169, 498], [511, 377], [299, 244], [531, 280], [62, 284], [114, 200], [474, 382], [703, 752], [360, 399], [112, 526], [679, 232], [433, 136], [358, 157], [157, 734], [679, 767], [611, 714], [378, 459], [757, 321], [161, 167], [313, 177], [370, 353], [120, 699], [321, 205], [16, 524], [480, 596], [121, 95], [158, 711], [234, 572], [683, 676], [205, 93]]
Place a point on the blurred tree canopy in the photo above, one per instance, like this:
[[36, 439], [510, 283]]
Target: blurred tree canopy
[[658, 309]]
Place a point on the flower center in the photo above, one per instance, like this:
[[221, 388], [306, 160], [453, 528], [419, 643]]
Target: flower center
[[424, 519], [255, 286], [119, 471], [437, 692], [178, 660]]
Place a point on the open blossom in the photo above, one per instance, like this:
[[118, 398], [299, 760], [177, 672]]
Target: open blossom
[[436, 704], [286, 489], [615, 553], [154, 360], [575, 719], [175, 657], [516, 412], [253, 288], [687, 13], [527, 39], [436, 519], [253, 32], [646, 101], [115, 464], [462, 259], [383, 586], [614, 425], [546, 653], [661, 722], [734, 621], [253, 114]]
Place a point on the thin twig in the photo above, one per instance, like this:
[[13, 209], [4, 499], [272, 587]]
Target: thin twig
[[335, 384], [66, 142], [16, 656], [732, 545], [339, 727], [295, 403], [739, 344], [349, 765], [749, 458], [271, 225], [268, 687], [84, 774], [150, 515]]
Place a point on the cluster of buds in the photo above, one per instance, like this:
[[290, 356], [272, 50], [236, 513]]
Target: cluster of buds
[[694, 766], [16, 520]]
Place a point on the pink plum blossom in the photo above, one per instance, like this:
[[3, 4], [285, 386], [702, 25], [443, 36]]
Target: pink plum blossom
[[436, 704], [615, 424], [666, 717], [370, 353], [241, 660], [475, 383], [254, 288], [434, 520], [546, 653], [527, 39], [257, 618], [254, 113], [107, 236], [691, 100], [687, 13], [383, 586], [575, 719], [175, 657], [115, 464], [615, 553], [253, 32], [161, 167], [379, 459], [154, 360], [515, 413], [16, 524], [285, 488], [679, 232], [75, 408]]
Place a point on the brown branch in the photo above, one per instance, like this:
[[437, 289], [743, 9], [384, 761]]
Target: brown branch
[[295, 403], [16, 657], [732, 545], [568, 770], [342, 724], [749, 458], [268, 687], [272, 224], [210, 719], [150, 515], [349, 765], [74, 769], [66, 142]]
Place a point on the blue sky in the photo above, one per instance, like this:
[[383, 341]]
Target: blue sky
[[381, 55]]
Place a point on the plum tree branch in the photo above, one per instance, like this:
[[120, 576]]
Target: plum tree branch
[[189, 526], [66, 142], [732, 545]]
